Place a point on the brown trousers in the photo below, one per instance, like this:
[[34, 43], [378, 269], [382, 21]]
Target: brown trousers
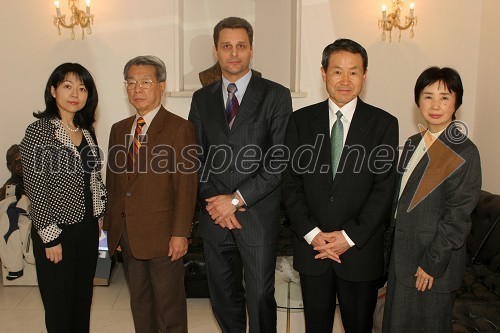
[[157, 295]]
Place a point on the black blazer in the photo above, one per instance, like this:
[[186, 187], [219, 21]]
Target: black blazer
[[433, 212], [358, 200], [241, 158]]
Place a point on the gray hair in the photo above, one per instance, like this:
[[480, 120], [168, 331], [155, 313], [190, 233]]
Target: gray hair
[[157, 63]]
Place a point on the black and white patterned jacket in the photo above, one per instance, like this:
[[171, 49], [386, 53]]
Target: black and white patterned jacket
[[53, 177]]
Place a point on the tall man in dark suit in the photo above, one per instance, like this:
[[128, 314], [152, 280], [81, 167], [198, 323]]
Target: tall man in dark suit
[[152, 188], [239, 189], [338, 189]]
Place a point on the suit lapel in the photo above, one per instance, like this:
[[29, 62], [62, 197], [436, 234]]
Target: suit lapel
[[410, 148], [156, 128], [440, 162], [122, 159], [253, 96], [64, 138], [153, 134], [321, 126], [216, 106]]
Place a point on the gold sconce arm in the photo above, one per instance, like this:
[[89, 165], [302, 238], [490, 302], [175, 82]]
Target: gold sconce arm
[[78, 18], [392, 20]]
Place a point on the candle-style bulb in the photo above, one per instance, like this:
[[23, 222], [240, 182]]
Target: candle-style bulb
[[87, 9], [58, 9], [384, 12], [412, 6]]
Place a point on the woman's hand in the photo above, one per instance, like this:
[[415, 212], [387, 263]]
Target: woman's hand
[[424, 281], [54, 253]]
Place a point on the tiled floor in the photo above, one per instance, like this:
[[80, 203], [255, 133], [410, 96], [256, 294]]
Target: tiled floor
[[21, 310]]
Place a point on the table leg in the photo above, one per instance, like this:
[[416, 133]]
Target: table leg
[[288, 310]]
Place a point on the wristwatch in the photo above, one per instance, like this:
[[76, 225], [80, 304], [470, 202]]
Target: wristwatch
[[235, 202]]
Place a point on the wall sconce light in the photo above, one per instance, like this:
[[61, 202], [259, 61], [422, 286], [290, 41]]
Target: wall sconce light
[[78, 17], [392, 20]]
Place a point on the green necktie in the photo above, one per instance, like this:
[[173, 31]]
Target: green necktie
[[337, 142]]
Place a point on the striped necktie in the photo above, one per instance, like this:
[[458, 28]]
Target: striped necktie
[[231, 104], [136, 144]]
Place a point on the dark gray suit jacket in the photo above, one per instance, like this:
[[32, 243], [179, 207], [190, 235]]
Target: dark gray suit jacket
[[242, 158], [433, 212], [358, 200]]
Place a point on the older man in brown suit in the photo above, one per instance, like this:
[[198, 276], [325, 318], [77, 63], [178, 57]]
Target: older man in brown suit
[[152, 188]]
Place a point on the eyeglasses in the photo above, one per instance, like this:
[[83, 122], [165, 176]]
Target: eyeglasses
[[145, 84]]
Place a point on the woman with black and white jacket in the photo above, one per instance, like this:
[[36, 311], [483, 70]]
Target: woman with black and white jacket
[[61, 171]]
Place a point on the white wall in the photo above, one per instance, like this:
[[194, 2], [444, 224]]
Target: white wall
[[394, 67], [447, 34], [487, 116]]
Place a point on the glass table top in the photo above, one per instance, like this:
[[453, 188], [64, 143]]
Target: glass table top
[[287, 293]]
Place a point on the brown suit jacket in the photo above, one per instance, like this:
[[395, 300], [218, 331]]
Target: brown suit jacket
[[157, 201]]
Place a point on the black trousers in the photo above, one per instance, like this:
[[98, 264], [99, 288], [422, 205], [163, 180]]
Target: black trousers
[[357, 301], [66, 287], [228, 263]]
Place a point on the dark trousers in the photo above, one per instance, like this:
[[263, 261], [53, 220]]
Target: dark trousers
[[357, 302], [66, 287], [228, 263], [157, 294]]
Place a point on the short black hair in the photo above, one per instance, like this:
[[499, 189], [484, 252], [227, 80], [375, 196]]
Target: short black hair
[[86, 116], [233, 23], [344, 44], [449, 77]]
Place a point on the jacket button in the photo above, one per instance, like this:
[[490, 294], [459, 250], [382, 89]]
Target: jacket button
[[123, 215], [129, 194], [332, 199]]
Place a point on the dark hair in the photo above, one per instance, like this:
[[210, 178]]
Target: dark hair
[[11, 156], [233, 23], [343, 44], [447, 76], [157, 63], [86, 116]]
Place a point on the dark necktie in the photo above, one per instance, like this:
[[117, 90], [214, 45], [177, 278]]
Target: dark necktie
[[136, 144], [337, 142], [231, 104]]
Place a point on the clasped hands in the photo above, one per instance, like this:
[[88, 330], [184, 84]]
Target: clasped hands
[[330, 245], [222, 211]]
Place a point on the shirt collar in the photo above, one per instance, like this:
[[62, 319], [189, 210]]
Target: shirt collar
[[347, 110], [241, 84], [148, 117], [430, 137]]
